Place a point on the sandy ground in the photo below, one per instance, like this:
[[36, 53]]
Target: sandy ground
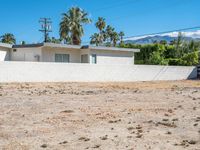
[[111, 116]]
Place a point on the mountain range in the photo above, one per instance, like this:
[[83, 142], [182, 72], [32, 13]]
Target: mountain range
[[187, 36]]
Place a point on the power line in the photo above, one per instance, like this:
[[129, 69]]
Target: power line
[[156, 33], [45, 27]]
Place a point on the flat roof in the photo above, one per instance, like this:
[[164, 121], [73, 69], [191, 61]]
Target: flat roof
[[62, 45], [28, 45], [86, 47], [90, 47], [5, 45], [53, 45], [113, 49]]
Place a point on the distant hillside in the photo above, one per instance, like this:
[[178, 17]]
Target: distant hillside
[[151, 39]]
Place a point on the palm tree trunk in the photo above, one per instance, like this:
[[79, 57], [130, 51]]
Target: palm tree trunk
[[75, 40]]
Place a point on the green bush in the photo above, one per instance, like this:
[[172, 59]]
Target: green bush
[[173, 61], [190, 59], [180, 53], [139, 62], [157, 59]]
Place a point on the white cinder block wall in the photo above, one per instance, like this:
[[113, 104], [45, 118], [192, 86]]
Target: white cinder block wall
[[59, 72]]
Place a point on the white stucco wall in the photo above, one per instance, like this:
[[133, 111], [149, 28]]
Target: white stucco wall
[[26, 54], [113, 57], [4, 54], [59, 72]]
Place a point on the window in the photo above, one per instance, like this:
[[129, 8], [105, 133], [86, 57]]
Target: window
[[84, 58], [62, 58], [94, 58], [14, 50]]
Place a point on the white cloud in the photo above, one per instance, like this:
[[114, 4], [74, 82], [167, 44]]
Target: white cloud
[[193, 34]]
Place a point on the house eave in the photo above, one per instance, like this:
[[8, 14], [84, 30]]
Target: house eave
[[6, 45], [53, 45], [78, 47], [28, 45], [112, 49]]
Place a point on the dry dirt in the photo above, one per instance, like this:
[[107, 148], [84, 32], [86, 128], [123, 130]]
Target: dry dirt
[[106, 116]]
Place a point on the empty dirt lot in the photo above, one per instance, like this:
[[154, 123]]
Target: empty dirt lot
[[106, 116]]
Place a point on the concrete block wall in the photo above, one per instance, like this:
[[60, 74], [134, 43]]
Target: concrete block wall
[[60, 72]]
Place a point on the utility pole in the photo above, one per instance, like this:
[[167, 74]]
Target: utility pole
[[45, 27]]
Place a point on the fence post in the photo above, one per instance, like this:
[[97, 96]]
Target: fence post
[[198, 72]]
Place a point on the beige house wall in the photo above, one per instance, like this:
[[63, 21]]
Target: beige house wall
[[26, 54], [48, 54], [113, 57], [86, 52]]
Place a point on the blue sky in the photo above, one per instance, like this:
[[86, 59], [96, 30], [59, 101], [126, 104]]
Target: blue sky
[[134, 17]]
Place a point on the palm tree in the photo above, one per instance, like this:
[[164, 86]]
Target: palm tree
[[54, 40], [96, 39], [109, 32], [72, 23], [8, 38], [101, 24], [121, 35], [114, 38]]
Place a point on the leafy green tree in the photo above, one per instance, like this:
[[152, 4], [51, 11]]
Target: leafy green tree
[[190, 59], [163, 42], [157, 59], [161, 54], [178, 44], [170, 52], [8, 38], [23, 43], [71, 25], [172, 42]]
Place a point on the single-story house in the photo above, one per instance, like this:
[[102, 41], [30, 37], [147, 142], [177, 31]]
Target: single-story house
[[62, 53]]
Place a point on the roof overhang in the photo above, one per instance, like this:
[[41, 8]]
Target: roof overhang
[[28, 45], [53, 45], [4, 45], [111, 48], [78, 47]]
